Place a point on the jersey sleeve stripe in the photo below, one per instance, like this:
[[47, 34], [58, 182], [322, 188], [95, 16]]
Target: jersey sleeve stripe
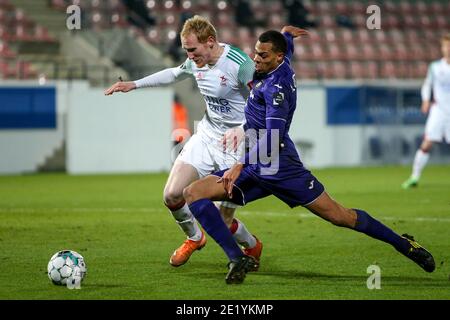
[[234, 59], [272, 118], [237, 57], [238, 52]]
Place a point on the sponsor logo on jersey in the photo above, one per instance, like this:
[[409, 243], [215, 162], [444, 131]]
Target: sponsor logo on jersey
[[259, 84], [278, 98], [217, 104]]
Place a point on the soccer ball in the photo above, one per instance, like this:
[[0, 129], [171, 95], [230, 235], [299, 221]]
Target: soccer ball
[[66, 265]]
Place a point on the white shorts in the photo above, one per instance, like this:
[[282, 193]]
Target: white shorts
[[437, 126], [207, 157]]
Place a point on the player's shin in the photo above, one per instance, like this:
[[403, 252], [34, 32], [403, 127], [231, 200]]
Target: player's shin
[[209, 217], [242, 235], [420, 161], [375, 229], [187, 223]]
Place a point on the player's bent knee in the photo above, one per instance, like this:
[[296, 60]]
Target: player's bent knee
[[191, 194], [173, 200]]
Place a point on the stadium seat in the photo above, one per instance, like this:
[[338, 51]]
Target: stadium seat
[[369, 52], [339, 70], [421, 8], [400, 49], [305, 70], [406, 8], [372, 70], [5, 52], [357, 70], [335, 52], [353, 52], [227, 35]]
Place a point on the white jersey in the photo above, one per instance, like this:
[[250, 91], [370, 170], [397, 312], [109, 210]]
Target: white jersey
[[438, 80], [224, 87]]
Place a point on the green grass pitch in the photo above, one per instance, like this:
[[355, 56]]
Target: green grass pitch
[[120, 226]]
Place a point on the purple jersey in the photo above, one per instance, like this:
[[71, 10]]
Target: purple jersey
[[271, 105]]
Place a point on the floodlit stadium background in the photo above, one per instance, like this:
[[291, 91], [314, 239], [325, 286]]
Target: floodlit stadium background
[[359, 77]]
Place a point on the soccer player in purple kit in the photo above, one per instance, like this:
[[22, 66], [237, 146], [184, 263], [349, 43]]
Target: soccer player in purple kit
[[269, 111]]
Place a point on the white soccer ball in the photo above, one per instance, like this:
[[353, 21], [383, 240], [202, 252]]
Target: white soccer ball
[[65, 265]]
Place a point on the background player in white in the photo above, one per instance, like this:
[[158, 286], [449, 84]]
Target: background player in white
[[222, 73], [438, 122]]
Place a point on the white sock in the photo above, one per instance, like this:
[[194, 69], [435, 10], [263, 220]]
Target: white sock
[[187, 223], [242, 236], [420, 161]]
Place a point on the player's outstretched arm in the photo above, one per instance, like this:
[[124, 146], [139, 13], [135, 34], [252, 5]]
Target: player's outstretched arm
[[120, 87], [294, 31]]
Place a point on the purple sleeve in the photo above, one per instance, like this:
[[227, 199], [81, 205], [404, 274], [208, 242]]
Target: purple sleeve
[[290, 46], [276, 117]]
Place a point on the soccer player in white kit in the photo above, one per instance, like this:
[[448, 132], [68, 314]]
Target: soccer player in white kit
[[223, 74], [437, 126]]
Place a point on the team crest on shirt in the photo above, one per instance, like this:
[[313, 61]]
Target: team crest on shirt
[[223, 81], [199, 76]]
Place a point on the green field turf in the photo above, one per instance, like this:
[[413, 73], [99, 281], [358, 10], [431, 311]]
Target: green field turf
[[118, 223]]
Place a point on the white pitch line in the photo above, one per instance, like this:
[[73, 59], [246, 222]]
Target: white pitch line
[[239, 212]]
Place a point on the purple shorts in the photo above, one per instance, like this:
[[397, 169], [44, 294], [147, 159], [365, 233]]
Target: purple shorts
[[300, 189]]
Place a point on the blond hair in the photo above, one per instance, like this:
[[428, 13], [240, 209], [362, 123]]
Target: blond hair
[[446, 37], [199, 26]]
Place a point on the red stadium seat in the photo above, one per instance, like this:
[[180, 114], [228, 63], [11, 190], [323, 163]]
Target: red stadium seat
[[421, 8], [352, 52], [386, 53], [372, 70], [357, 70], [420, 70], [388, 70], [317, 51], [406, 8], [5, 52], [369, 52], [305, 70], [437, 7], [363, 35], [334, 52], [339, 70], [346, 36], [276, 21], [402, 53], [227, 35], [330, 35], [327, 21]]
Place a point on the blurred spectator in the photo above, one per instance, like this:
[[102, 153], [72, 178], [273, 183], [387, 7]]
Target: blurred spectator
[[244, 16], [298, 14], [175, 50], [180, 122], [138, 13], [345, 21]]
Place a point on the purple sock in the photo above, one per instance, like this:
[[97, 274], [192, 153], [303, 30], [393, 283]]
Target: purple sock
[[209, 217], [375, 229]]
